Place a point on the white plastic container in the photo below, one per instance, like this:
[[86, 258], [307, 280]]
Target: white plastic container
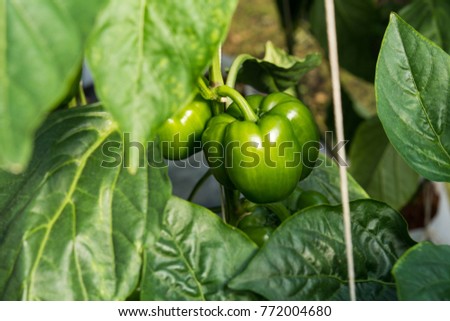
[[438, 230]]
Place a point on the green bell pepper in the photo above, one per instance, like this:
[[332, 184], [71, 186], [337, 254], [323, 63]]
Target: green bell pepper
[[302, 120], [311, 198], [259, 151], [258, 223], [180, 135], [300, 199]]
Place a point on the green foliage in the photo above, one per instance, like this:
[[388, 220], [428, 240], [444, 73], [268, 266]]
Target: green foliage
[[195, 256], [41, 50], [94, 229], [146, 57], [325, 179], [431, 18], [70, 228], [77, 223], [277, 71], [378, 167], [413, 94], [305, 257], [423, 273]]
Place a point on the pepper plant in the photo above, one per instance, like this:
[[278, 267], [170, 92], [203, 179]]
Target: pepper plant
[[79, 223]]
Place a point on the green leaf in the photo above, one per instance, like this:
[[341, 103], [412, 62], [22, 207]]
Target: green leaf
[[195, 256], [41, 50], [378, 167], [358, 23], [423, 273], [73, 226], [146, 57], [431, 18], [325, 179], [413, 98], [304, 259], [277, 71]]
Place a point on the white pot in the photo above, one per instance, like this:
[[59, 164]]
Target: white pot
[[438, 231]]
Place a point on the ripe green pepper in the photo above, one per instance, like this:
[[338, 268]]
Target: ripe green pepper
[[311, 198], [258, 223], [300, 199], [180, 135], [259, 235], [260, 156], [303, 123]]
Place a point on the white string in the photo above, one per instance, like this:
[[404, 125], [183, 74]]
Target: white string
[[338, 118]]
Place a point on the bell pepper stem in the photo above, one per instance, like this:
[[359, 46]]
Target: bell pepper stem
[[234, 69], [79, 99], [231, 205], [215, 71], [73, 103], [279, 209], [199, 184], [246, 110], [82, 95], [215, 80], [204, 90]]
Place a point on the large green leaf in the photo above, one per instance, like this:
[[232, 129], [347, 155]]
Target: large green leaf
[[431, 18], [413, 99], [277, 71], [41, 49], [146, 57], [358, 24], [378, 167], [305, 257], [423, 273], [73, 227], [195, 256], [325, 179]]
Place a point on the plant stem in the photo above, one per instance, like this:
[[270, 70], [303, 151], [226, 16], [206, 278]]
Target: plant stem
[[215, 80], [73, 102], [81, 97], [215, 72], [231, 205], [234, 69], [199, 184], [246, 110], [205, 91], [279, 209]]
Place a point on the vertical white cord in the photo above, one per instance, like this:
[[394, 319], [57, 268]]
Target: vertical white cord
[[338, 118]]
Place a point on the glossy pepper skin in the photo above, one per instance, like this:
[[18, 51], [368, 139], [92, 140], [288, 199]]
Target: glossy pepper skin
[[311, 198], [261, 159], [300, 199], [258, 223], [180, 135], [303, 123]]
